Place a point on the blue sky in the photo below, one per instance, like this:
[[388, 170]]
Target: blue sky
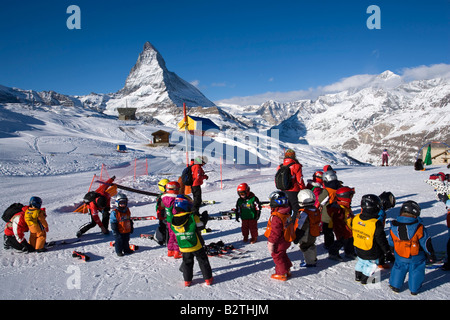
[[229, 49]]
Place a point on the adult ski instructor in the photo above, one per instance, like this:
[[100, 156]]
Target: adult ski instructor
[[294, 179], [198, 175]]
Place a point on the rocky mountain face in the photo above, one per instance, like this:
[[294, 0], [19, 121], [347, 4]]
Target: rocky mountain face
[[361, 122], [385, 112], [154, 90]]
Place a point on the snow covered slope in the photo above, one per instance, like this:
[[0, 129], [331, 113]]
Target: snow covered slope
[[55, 152]]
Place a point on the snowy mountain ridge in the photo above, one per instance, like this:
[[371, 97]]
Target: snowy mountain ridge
[[360, 116]]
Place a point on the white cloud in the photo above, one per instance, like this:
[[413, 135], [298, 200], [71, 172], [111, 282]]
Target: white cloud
[[406, 75], [441, 70]]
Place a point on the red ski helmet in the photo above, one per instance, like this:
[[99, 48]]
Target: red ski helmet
[[318, 177], [243, 189], [173, 187], [344, 195]]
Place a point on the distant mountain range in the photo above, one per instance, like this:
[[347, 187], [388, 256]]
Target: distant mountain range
[[383, 113]]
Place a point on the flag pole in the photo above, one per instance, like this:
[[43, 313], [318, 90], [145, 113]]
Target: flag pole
[[185, 133]]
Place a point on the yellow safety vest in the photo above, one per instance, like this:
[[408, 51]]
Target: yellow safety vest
[[363, 232]]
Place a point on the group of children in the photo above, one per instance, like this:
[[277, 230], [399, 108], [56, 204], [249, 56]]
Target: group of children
[[324, 207], [326, 203]]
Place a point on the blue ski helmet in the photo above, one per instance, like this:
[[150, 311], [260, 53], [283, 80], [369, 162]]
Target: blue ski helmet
[[183, 203], [278, 199], [36, 202]]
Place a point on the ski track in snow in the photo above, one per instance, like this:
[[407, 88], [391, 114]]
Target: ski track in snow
[[58, 164], [149, 274]]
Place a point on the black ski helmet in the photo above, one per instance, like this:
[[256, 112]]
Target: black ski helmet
[[411, 207], [101, 202], [371, 204]]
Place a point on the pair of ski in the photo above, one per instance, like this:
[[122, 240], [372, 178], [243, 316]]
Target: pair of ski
[[143, 218], [224, 215], [225, 251]]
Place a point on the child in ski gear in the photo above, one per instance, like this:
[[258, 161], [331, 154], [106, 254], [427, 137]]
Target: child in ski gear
[[37, 224], [94, 207], [280, 233], [168, 200], [342, 217], [248, 208], [331, 184], [412, 247], [15, 229], [316, 186], [101, 203], [297, 182], [198, 176], [309, 230], [121, 225], [369, 238], [385, 158], [186, 225], [161, 234]]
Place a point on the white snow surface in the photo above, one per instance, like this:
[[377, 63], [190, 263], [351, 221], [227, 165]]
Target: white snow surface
[[55, 155]]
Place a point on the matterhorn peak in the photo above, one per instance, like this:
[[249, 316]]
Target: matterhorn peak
[[151, 86]]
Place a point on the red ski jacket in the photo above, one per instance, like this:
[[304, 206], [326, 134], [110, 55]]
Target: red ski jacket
[[16, 227], [198, 175], [296, 173]]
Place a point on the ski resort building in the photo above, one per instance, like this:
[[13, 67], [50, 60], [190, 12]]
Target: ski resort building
[[198, 126]]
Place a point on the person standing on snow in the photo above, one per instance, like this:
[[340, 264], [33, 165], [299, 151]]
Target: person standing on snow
[[121, 225], [168, 200], [385, 158], [342, 221], [412, 247], [187, 226], [308, 229], [248, 209], [369, 238], [297, 179], [198, 175], [280, 232]]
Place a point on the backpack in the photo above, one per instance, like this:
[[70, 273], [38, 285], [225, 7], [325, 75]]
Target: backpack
[[11, 211], [186, 176], [283, 178], [90, 196], [438, 176]]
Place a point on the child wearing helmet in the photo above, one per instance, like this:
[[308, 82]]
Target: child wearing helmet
[[161, 233], [186, 225], [308, 227], [369, 238], [248, 209], [280, 232], [121, 225], [412, 248], [168, 200], [342, 217], [37, 224]]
